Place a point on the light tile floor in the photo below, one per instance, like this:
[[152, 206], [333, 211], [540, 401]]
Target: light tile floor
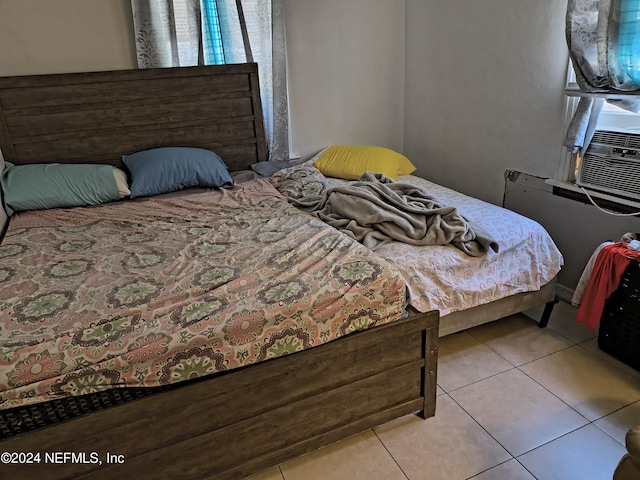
[[515, 402]]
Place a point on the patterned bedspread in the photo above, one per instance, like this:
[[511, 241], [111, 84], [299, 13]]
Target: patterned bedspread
[[152, 292], [442, 277]]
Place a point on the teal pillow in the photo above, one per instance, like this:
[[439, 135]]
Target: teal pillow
[[55, 185], [168, 169]]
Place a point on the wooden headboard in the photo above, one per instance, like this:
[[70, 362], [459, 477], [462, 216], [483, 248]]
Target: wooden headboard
[[97, 117]]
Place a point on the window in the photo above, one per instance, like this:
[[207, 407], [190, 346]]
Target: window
[[618, 120]]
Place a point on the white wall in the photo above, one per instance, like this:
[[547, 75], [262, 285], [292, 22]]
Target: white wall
[[346, 72], [61, 36], [484, 90]]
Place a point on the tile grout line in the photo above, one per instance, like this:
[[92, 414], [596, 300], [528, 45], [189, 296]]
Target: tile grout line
[[487, 469], [619, 365], [485, 430], [526, 469], [544, 388], [552, 393], [517, 367], [573, 343], [530, 361], [590, 422], [478, 381], [502, 463], [607, 433], [390, 454], [555, 395]]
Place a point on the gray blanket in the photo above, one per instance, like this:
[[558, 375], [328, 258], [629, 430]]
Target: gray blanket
[[376, 210]]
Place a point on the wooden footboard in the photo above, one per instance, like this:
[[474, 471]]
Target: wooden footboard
[[245, 420]]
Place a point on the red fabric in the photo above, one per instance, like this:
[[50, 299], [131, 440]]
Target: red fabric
[[605, 278]]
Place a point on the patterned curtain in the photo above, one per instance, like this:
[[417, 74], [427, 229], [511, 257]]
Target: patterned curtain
[[171, 33], [168, 33]]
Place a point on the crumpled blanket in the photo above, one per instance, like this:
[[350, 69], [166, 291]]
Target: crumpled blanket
[[376, 210]]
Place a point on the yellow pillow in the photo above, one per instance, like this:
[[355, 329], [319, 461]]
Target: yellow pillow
[[350, 162]]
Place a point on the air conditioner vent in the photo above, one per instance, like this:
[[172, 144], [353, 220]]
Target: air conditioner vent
[[612, 164], [617, 174], [634, 141], [610, 138]]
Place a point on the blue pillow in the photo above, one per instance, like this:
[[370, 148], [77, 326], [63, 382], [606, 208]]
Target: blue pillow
[[55, 185], [168, 169]]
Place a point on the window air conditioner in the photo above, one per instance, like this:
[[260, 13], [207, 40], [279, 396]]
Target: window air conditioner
[[612, 164]]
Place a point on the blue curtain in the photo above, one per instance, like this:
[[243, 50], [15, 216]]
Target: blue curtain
[[212, 37], [629, 38]]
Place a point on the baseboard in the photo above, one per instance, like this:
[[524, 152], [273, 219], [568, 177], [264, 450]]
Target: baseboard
[[564, 293]]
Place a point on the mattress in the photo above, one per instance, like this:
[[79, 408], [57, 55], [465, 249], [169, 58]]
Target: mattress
[[159, 291], [442, 277]]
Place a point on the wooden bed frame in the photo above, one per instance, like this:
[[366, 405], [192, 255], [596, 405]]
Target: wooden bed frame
[[98, 117], [472, 317], [239, 422], [235, 423]]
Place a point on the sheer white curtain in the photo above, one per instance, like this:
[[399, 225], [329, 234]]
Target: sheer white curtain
[[169, 33]]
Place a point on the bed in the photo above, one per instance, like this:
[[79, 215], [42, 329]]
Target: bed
[[139, 383], [466, 290], [256, 414]]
